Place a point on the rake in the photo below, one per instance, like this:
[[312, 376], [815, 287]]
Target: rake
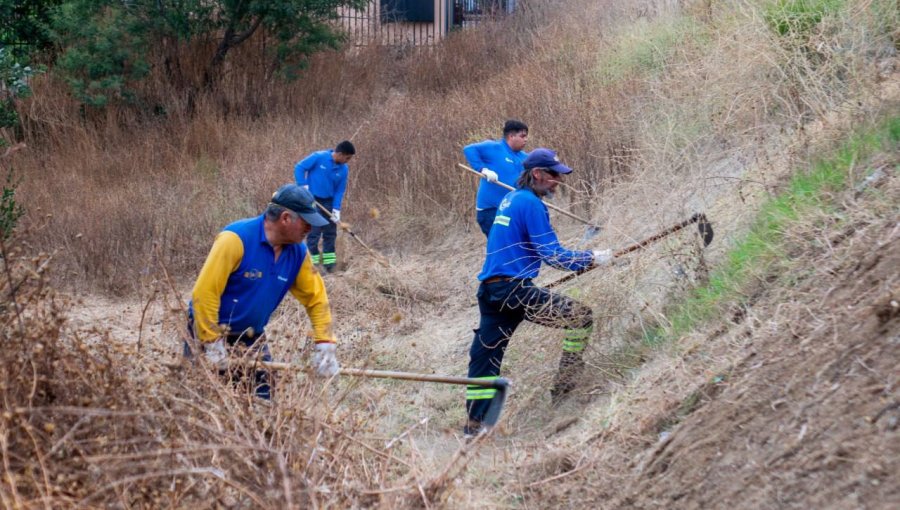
[[703, 226], [381, 259], [494, 410]]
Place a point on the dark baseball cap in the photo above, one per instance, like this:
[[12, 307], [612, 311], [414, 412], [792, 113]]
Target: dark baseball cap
[[301, 201], [545, 158]]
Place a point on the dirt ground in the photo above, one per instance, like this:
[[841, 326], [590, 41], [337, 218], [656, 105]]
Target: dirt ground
[[808, 419], [804, 415]]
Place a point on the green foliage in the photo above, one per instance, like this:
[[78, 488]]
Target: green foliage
[[108, 45], [799, 17], [10, 210], [106, 49], [764, 244], [23, 25], [13, 86]]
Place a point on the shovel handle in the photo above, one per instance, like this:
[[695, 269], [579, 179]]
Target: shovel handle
[[500, 383], [551, 206], [386, 374], [407, 376]]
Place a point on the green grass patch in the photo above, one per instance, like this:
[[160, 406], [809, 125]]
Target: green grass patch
[[753, 255], [799, 17]]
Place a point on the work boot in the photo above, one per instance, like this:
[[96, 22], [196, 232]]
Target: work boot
[[330, 268], [474, 429], [570, 366]]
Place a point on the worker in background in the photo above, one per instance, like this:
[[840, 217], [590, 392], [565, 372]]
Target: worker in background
[[520, 240], [324, 173], [498, 161], [252, 265]]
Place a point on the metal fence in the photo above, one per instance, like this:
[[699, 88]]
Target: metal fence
[[417, 22]]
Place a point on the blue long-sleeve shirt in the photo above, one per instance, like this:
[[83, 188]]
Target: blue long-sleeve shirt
[[498, 156], [521, 238], [326, 179]]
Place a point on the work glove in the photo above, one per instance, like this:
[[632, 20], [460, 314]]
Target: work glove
[[324, 359], [489, 174], [305, 186], [602, 257], [336, 214], [216, 354]]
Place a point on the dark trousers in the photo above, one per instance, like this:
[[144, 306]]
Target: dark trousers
[[257, 349], [327, 234], [503, 306], [485, 219]]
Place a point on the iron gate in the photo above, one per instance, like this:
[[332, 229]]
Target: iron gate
[[417, 22]]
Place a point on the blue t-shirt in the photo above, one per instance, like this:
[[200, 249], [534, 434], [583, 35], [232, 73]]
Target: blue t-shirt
[[498, 156], [326, 179], [521, 238]]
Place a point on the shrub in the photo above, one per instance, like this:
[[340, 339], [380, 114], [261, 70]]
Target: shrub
[[10, 210]]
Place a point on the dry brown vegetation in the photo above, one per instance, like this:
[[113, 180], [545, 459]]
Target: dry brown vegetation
[[785, 399]]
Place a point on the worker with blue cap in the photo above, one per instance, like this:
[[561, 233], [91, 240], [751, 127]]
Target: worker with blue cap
[[520, 240]]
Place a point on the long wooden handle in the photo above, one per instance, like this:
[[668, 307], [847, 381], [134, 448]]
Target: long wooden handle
[[378, 374], [378, 257], [551, 206], [636, 246]]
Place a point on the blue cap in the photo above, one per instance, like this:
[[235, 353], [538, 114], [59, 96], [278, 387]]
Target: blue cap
[[301, 201], [545, 158]]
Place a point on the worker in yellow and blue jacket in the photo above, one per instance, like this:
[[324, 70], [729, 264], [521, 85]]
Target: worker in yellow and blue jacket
[[252, 265]]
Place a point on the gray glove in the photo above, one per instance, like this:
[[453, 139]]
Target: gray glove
[[324, 359], [216, 354]]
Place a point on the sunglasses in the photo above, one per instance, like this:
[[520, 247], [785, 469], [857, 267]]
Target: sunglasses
[[553, 173]]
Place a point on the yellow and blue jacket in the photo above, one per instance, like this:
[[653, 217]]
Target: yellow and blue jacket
[[241, 284]]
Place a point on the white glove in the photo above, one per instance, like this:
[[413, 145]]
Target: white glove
[[490, 175], [336, 214], [324, 359], [305, 186], [216, 354], [602, 257]]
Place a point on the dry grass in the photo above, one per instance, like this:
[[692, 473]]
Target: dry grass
[[88, 421], [675, 107]]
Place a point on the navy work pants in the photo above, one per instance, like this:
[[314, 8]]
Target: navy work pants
[[485, 218], [327, 257], [504, 305], [258, 350]]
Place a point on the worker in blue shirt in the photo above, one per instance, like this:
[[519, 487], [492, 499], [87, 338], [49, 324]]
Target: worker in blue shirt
[[324, 173], [498, 161], [252, 265], [520, 240]]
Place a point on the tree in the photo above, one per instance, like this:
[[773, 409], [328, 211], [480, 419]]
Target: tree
[[107, 43], [23, 25]]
